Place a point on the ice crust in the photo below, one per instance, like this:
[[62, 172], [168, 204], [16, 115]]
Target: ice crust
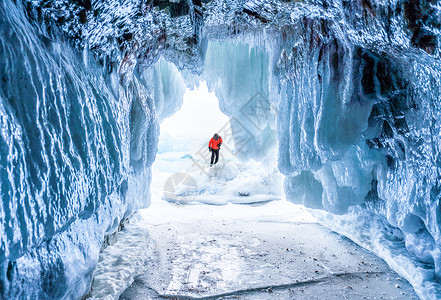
[[350, 90]]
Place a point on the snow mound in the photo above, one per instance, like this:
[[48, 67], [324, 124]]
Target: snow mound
[[225, 182], [223, 171], [180, 188]]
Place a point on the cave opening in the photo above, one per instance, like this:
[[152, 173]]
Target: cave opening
[[182, 172], [228, 230], [230, 97]]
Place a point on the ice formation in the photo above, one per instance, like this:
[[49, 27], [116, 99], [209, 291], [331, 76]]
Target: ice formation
[[239, 74], [348, 90], [75, 151]]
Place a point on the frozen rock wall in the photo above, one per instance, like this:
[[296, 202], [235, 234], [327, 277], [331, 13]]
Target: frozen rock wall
[[75, 151], [358, 125]]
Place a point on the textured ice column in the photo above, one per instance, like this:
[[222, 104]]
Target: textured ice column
[[239, 75], [74, 160], [321, 117], [412, 178], [167, 86]]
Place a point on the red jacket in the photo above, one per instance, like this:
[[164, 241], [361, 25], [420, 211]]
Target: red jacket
[[215, 144]]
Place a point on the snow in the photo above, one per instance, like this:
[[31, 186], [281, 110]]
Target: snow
[[223, 171], [120, 262], [229, 181], [261, 251]]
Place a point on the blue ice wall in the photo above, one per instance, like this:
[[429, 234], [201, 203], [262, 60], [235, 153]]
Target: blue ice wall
[[359, 129], [238, 71], [75, 151]]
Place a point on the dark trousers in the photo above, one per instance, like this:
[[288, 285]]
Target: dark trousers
[[214, 156]]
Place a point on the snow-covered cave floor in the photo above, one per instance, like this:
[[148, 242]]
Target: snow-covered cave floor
[[271, 250]]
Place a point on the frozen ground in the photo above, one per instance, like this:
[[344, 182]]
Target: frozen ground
[[268, 250], [271, 251]]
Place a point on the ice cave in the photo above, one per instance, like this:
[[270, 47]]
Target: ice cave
[[328, 185]]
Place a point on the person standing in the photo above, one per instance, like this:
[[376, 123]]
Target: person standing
[[214, 147]]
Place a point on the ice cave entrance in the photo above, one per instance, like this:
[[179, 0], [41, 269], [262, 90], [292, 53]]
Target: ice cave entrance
[[190, 128], [182, 172]]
